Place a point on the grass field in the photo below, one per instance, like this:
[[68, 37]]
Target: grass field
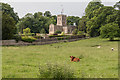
[[24, 61]]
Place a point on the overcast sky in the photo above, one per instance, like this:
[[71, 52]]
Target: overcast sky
[[70, 7]]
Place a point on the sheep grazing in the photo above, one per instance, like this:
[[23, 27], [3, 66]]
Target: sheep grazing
[[99, 47], [112, 49]]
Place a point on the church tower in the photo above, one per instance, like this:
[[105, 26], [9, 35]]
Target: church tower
[[61, 20]]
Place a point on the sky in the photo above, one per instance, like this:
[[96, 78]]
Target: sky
[[70, 7]]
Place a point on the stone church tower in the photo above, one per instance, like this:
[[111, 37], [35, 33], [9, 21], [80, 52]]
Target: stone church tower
[[61, 20], [61, 25]]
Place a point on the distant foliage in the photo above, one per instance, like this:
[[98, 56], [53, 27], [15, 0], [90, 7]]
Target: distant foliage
[[26, 31], [43, 31], [29, 39], [57, 32], [74, 32], [80, 33], [110, 31]]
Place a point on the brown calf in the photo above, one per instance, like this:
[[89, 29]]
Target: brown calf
[[74, 59]]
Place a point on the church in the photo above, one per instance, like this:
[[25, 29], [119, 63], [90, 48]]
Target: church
[[61, 25]]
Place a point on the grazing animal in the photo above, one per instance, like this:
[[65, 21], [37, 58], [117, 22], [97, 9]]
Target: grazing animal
[[112, 49], [99, 47], [74, 59]]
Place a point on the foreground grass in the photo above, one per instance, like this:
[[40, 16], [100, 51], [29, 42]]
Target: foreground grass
[[24, 61]]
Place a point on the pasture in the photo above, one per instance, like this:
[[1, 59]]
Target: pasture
[[24, 61]]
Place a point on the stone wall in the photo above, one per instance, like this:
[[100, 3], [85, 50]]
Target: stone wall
[[40, 41]]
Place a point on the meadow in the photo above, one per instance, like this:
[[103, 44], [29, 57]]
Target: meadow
[[24, 61]]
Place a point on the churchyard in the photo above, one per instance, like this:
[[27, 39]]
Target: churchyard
[[95, 62]]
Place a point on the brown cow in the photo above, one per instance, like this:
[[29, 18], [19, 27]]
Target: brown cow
[[74, 59]]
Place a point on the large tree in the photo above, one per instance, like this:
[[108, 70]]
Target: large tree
[[110, 31], [117, 5], [99, 19], [47, 14], [35, 23], [91, 7], [6, 8], [8, 27], [82, 24], [9, 20], [72, 19]]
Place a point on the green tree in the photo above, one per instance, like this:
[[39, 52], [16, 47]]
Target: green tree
[[8, 27], [9, 20], [82, 24], [74, 31], [99, 19], [110, 31], [26, 31], [117, 5], [6, 8], [72, 19], [47, 14], [37, 14], [54, 19], [43, 31], [91, 7]]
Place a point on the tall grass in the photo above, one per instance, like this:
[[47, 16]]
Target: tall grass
[[50, 70]]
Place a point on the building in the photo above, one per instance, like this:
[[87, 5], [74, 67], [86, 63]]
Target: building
[[61, 25]]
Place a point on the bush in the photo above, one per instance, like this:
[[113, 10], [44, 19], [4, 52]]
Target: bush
[[38, 37], [26, 31], [55, 71], [62, 33], [74, 32], [80, 33], [17, 37], [29, 39], [60, 38], [57, 32]]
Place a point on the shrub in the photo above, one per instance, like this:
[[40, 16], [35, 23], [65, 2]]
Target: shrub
[[17, 37], [57, 32], [62, 33], [38, 37], [74, 32], [26, 31], [60, 38], [55, 71], [54, 36], [80, 33], [28, 39]]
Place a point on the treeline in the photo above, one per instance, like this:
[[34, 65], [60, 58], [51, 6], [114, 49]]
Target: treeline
[[99, 20]]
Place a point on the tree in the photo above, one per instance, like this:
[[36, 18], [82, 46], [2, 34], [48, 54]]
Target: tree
[[9, 20], [117, 5], [8, 27], [54, 19], [82, 24], [72, 19], [43, 31], [26, 31], [74, 31], [35, 23], [99, 19], [6, 8], [47, 14], [29, 15], [37, 14], [91, 7], [110, 31]]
